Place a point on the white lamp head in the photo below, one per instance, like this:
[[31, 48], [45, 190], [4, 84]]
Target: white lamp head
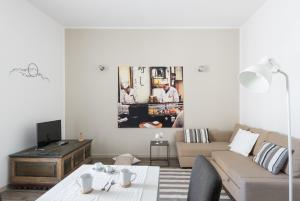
[[258, 78]]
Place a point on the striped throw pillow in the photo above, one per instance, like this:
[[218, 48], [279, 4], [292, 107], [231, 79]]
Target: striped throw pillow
[[272, 157], [196, 135]]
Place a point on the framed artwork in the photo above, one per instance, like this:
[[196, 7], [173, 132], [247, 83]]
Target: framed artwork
[[150, 97]]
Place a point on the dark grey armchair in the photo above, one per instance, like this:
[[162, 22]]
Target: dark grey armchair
[[205, 182]]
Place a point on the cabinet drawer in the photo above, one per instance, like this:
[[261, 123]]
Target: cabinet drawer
[[87, 151], [67, 165], [78, 157], [35, 169]]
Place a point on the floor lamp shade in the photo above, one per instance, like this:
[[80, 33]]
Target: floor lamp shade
[[257, 78]]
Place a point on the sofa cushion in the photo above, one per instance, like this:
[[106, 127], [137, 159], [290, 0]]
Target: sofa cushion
[[238, 167], [243, 142], [195, 149], [282, 140], [196, 135], [272, 157], [179, 136], [214, 135], [263, 135], [237, 128], [126, 158]]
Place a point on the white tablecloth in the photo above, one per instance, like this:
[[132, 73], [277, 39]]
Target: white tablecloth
[[68, 190]]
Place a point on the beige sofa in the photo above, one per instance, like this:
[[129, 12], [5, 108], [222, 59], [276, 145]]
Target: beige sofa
[[244, 179]]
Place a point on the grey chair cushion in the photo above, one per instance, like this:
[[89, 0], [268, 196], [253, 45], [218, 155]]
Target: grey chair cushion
[[205, 182]]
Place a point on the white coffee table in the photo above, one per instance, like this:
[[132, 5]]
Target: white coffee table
[[150, 186]]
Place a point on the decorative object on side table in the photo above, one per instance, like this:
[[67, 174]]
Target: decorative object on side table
[[81, 138], [160, 144], [159, 137]]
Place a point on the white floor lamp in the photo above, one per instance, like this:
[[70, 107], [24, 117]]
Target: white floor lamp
[[258, 78]]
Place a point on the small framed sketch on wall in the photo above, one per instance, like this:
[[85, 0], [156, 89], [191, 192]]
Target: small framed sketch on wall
[[150, 97]]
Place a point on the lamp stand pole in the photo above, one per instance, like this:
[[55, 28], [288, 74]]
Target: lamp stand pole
[[290, 149]]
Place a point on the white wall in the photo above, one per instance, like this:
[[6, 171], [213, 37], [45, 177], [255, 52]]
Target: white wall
[[27, 35], [272, 31], [211, 99]]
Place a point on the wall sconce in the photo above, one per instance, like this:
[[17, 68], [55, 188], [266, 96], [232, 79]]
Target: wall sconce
[[101, 67], [203, 68]]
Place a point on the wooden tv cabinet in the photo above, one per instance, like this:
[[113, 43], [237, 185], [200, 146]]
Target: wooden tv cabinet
[[45, 168]]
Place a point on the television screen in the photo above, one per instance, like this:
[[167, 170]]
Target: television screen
[[48, 132]]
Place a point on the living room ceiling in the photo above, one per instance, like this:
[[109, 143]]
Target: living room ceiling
[[149, 13]]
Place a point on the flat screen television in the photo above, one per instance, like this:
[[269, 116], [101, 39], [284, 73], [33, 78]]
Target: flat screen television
[[48, 132]]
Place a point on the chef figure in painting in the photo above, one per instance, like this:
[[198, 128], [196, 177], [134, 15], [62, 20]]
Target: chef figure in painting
[[127, 95], [179, 121], [168, 94]]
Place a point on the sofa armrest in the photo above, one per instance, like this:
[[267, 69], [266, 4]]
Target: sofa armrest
[[265, 189], [179, 136], [180, 152], [219, 136]]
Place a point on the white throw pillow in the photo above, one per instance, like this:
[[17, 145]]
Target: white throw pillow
[[243, 142], [134, 161]]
